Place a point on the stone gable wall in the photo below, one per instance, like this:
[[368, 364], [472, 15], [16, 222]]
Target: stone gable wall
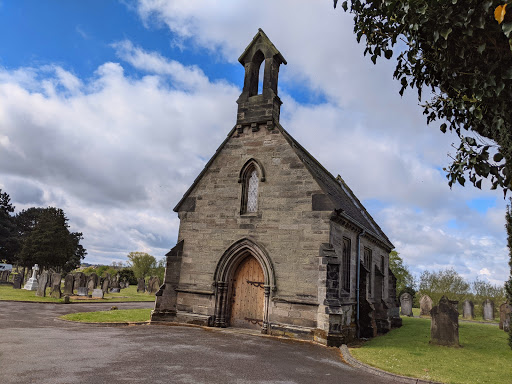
[[285, 225]]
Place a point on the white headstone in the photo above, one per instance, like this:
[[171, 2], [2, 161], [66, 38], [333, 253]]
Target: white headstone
[[32, 284], [97, 294]]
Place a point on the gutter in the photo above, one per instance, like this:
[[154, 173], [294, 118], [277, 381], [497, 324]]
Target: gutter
[[358, 278]]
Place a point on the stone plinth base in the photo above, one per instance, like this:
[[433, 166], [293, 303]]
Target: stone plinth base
[[31, 284]]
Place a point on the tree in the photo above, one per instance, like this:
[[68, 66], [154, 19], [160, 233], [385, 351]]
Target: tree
[[142, 263], [8, 239], [444, 282], [457, 50], [508, 284], [404, 280], [46, 240], [159, 270], [484, 290]]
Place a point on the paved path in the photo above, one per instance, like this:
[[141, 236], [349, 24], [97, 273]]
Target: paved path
[[37, 348]]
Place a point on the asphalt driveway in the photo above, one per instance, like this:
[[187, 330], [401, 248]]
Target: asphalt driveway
[[37, 348]]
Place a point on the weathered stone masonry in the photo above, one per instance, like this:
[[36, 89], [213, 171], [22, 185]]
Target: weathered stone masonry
[[299, 222]]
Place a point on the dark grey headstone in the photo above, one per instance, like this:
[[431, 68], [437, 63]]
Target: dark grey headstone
[[82, 291], [468, 310], [105, 284], [488, 309], [95, 280], [42, 282], [18, 281], [55, 287], [68, 284], [425, 305], [153, 284], [141, 285], [406, 304], [90, 284], [80, 280], [444, 328]]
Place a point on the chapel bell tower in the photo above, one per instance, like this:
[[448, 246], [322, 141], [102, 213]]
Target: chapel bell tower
[[258, 107]]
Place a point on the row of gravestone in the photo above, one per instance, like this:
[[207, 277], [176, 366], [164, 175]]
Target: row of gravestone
[[152, 287], [74, 282], [4, 276], [468, 309]]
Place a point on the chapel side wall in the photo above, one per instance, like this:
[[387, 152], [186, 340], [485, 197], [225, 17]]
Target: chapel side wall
[[285, 225]]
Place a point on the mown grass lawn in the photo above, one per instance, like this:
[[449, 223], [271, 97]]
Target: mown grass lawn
[[485, 356], [121, 315], [127, 294]]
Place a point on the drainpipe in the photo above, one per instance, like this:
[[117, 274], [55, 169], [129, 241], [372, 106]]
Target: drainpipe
[[358, 279]]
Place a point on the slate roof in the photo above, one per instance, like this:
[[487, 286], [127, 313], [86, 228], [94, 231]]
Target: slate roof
[[336, 189]]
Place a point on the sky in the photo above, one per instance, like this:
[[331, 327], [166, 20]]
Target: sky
[[110, 109]]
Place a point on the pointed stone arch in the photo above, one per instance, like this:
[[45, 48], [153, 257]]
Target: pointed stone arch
[[247, 165], [225, 269]]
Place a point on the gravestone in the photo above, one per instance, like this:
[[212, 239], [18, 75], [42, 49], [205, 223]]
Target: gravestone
[[444, 328], [468, 310], [97, 294], [505, 310], [105, 284], [68, 284], [114, 282], [153, 284], [90, 285], [93, 281], [32, 284], [4, 276], [82, 291], [80, 280], [425, 305], [55, 287], [406, 304], [141, 285], [18, 281], [115, 290], [42, 282], [488, 309]]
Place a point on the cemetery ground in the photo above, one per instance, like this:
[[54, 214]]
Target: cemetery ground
[[484, 355], [126, 295]]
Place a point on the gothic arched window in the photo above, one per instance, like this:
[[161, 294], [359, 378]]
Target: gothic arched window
[[250, 177], [252, 191]]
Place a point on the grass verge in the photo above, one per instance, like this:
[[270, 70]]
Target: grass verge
[[484, 357], [126, 295], [117, 316]]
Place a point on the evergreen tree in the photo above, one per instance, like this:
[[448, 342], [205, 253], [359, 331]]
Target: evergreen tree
[[8, 240]]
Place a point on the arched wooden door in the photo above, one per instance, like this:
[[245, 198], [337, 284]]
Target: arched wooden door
[[247, 295]]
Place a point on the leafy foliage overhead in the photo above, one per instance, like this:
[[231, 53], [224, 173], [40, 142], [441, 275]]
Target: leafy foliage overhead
[[461, 52]]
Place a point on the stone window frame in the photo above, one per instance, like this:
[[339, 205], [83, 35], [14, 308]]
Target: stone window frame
[[368, 263], [252, 165], [346, 259]]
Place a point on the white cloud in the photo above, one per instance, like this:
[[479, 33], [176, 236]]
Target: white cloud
[[114, 152]]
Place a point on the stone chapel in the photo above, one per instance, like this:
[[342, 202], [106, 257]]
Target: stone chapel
[[270, 240]]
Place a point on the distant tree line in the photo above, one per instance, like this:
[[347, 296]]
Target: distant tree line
[[38, 236], [447, 282], [450, 284]]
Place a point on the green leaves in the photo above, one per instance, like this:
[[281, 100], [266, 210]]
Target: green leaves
[[458, 51]]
